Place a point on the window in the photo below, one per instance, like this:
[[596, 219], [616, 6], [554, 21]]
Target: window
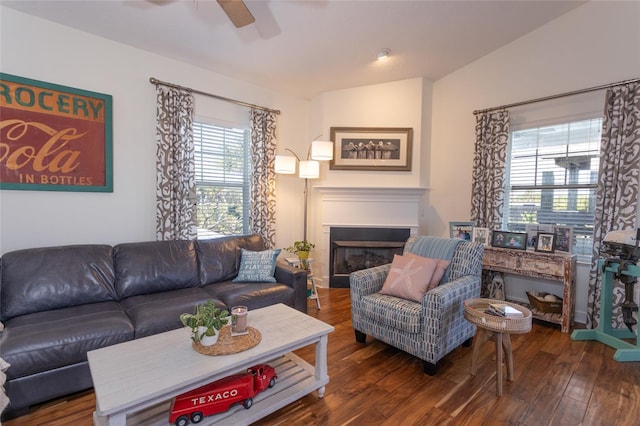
[[552, 179], [222, 179]]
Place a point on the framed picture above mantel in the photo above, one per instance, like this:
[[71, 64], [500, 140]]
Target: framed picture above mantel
[[372, 148]]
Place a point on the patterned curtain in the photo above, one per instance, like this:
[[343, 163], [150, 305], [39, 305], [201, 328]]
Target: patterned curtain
[[489, 168], [617, 193], [262, 219], [175, 167]]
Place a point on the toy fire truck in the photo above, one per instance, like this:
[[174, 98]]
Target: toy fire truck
[[218, 396]]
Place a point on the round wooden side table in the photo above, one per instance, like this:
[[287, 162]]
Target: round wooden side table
[[499, 327]]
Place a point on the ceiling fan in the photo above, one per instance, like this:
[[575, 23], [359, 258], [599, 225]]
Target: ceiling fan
[[237, 12]]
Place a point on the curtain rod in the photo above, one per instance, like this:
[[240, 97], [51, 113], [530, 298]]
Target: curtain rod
[[222, 98], [560, 95]]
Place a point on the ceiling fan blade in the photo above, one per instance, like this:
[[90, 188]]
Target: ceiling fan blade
[[237, 12]]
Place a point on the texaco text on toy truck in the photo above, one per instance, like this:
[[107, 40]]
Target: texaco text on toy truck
[[218, 396]]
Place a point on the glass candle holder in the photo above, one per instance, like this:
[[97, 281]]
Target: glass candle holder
[[239, 316]]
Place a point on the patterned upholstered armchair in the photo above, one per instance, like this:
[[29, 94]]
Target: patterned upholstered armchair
[[430, 329]]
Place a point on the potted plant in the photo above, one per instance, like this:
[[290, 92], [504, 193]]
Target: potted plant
[[205, 322], [302, 249]]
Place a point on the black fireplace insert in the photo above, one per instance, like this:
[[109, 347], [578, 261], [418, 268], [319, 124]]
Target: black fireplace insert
[[353, 249]]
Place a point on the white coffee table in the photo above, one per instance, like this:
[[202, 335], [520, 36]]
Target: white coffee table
[[135, 381]]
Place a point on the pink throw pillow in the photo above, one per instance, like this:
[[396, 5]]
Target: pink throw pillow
[[441, 266], [409, 277]]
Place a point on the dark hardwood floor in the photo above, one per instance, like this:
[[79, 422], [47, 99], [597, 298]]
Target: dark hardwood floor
[[557, 382]]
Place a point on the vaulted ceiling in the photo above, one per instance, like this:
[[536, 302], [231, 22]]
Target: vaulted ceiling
[[304, 48]]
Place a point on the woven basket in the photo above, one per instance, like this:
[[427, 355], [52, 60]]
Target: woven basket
[[474, 312], [228, 344], [543, 305]]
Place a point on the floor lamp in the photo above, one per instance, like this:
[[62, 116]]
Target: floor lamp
[[307, 169]]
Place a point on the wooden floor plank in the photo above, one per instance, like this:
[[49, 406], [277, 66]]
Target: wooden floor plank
[[569, 412], [584, 377], [603, 407], [507, 411], [557, 381]]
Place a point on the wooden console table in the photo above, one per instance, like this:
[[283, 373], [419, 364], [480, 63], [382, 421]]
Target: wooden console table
[[557, 267]]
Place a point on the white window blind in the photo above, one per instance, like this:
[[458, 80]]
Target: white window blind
[[552, 178], [222, 179]]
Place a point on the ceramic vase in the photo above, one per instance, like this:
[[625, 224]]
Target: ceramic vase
[[207, 340]]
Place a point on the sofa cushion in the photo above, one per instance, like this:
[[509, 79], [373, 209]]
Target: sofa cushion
[[219, 258], [41, 279], [154, 267], [160, 312], [257, 266], [393, 311], [44, 341], [253, 296]]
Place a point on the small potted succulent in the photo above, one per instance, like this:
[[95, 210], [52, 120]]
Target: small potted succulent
[[205, 322], [302, 249]]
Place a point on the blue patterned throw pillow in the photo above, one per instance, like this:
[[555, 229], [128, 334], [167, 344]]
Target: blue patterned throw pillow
[[257, 266]]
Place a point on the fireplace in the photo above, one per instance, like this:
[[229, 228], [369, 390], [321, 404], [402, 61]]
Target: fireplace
[[353, 249], [364, 214]]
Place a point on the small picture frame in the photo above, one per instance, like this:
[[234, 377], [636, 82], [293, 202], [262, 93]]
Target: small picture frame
[[499, 238], [481, 235], [532, 235], [532, 230], [517, 240], [564, 238], [461, 230], [511, 240], [546, 242]]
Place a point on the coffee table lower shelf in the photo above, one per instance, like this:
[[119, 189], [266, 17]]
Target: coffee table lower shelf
[[296, 378]]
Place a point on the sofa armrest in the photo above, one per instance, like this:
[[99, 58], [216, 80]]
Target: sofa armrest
[[295, 278], [443, 310]]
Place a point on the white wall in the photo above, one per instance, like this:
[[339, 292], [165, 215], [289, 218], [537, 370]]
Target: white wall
[[42, 50], [592, 45], [393, 104]]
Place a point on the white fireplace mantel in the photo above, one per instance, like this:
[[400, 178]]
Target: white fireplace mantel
[[370, 207], [369, 191]]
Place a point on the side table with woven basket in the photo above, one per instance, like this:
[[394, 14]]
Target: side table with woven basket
[[498, 327]]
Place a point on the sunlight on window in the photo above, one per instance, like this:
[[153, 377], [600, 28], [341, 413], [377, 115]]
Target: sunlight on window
[[552, 176], [222, 180]]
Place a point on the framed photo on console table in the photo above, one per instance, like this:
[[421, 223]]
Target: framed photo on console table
[[564, 238], [512, 240], [546, 242], [481, 235], [461, 230], [371, 148]]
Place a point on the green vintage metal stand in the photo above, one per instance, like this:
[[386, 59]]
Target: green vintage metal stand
[[605, 333]]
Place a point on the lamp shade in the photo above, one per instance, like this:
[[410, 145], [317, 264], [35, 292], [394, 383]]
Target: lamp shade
[[322, 150], [309, 169], [285, 164]]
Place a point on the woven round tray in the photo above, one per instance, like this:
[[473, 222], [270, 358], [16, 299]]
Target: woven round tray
[[228, 344], [474, 312]]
